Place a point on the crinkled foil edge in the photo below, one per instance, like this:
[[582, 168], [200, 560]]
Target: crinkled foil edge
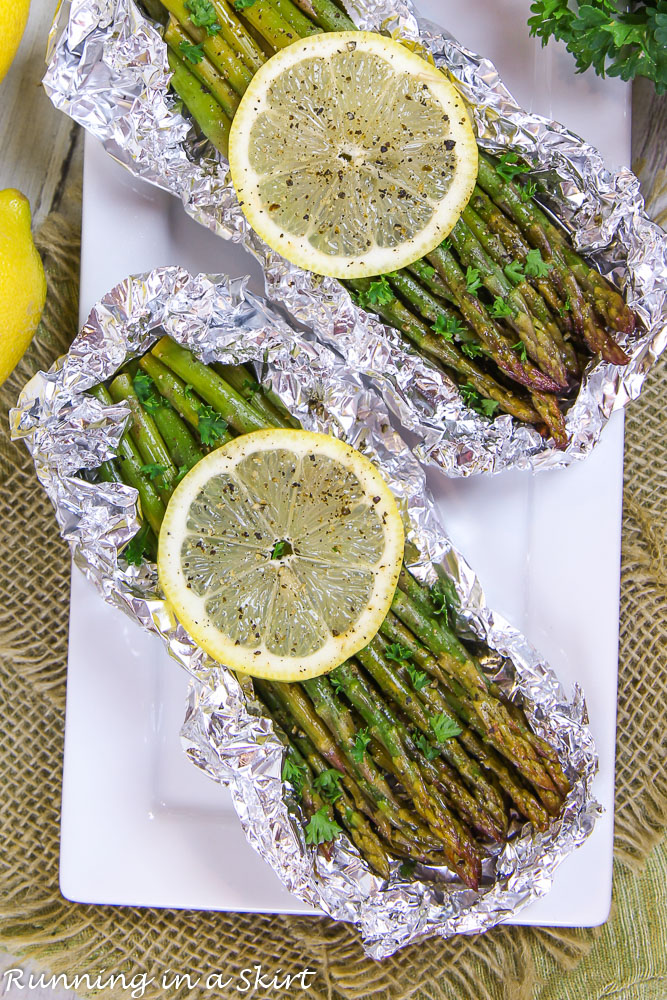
[[68, 431], [108, 71]]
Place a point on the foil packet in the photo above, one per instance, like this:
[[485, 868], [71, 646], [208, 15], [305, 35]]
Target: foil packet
[[108, 70], [69, 433]]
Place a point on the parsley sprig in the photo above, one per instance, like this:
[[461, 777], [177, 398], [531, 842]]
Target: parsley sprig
[[444, 728], [193, 53], [145, 389], [321, 829], [203, 15], [211, 425], [328, 784], [135, 550], [448, 327], [379, 293], [295, 774], [615, 39], [401, 654], [361, 741], [470, 396], [509, 167]]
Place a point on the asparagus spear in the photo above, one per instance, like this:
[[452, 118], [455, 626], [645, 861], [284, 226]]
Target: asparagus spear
[[204, 70], [224, 58], [130, 463], [411, 327], [291, 13], [273, 28], [205, 110], [245, 384], [237, 37], [214, 390], [327, 15], [146, 436]]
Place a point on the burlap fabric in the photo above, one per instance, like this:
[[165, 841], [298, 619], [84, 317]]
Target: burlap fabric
[[626, 959]]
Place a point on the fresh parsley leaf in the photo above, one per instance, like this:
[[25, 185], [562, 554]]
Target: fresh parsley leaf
[[407, 869], [444, 727], [488, 407], [379, 293], [418, 677], [144, 387], [500, 309], [189, 391], [446, 243], [153, 470], [211, 425], [250, 386], [295, 774], [320, 829], [566, 307], [135, 550], [328, 783], [428, 749], [279, 550], [361, 741], [193, 53], [470, 395], [447, 326], [473, 350], [181, 474], [509, 167], [473, 280], [203, 15], [520, 348], [514, 271], [398, 653], [243, 4], [535, 266], [528, 190], [444, 596], [428, 271], [616, 39], [336, 683]]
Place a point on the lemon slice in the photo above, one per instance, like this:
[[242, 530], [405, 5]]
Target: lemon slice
[[280, 553], [351, 155]]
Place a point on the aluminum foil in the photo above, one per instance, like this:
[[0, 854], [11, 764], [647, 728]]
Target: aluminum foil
[[68, 432], [108, 71]]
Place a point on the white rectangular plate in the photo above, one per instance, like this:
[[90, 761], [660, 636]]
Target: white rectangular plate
[[140, 824]]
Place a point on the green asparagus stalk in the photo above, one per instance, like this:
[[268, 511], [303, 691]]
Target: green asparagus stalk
[[225, 60], [205, 110], [458, 844], [175, 37], [291, 13], [182, 447], [208, 384], [130, 463], [411, 327], [146, 436], [237, 37], [268, 23], [240, 379], [327, 15]]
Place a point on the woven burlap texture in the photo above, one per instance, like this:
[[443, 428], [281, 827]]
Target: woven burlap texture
[[37, 924]]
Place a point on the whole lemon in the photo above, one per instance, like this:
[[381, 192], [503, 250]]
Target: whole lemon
[[22, 281], [13, 17]]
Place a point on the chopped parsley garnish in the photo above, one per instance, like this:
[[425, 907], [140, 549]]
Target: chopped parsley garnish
[[320, 829], [566, 307], [428, 749], [211, 425], [529, 190], [535, 266], [473, 280], [444, 596], [407, 869], [514, 271], [295, 774], [508, 166], [153, 470], [446, 244], [203, 15], [361, 741], [135, 550], [472, 398], [189, 391], [328, 783], [250, 386], [143, 386], [193, 53], [379, 293], [500, 308], [520, 349], [428, 271], [181, 474], [398, 653], [418, 677], [243, 4], [444, 727], [447, 326], [279, 550], [336, 683], [473, 350]]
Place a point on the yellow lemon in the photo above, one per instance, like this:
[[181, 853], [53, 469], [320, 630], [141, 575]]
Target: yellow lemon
[[22, 281], [13, 17]]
